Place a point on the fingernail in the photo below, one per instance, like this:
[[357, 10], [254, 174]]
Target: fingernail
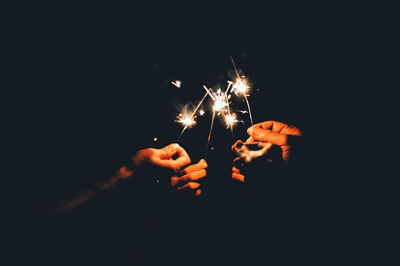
[[175, 145], [249, 130]]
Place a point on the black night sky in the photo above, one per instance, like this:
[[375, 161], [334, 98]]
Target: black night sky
[[100, 89]]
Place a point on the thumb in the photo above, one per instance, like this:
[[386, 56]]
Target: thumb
[[170, 150]]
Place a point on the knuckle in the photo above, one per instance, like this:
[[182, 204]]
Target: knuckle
[[186, 171], [174, 181], [194, 185]]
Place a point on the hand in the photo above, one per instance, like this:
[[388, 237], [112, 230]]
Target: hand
[[276, 133], [237, 175], [163, 157], [269, 132], [157, 158], [186, 178], [183, 173]]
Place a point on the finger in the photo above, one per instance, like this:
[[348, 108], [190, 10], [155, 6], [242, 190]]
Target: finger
[[193, 176], [177, 164], [237, 176], [280, 127], [285, 152], [170, 150], [198, 192], [235, 144], [174, 181], [235, 170], [250, 140], [267, 135], [275, 126], [194, 167], [264, 125], [190, 185], [291, 130], [183, 158]]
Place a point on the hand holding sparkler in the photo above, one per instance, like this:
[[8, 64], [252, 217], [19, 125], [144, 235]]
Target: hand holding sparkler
[[276, 133], [187, 178], [185, 175], [162, 158], [264, 136], [171, 160]]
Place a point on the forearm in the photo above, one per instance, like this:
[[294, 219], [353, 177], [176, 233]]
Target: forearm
[[93, 192]]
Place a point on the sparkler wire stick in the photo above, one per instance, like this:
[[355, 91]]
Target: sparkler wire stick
[[191, 116], [209, 93], [211, 127], [248, 107], [234, 66], [247, 101], [229, 113], [229, 85]]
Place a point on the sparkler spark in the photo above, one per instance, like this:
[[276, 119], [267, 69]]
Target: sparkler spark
[[240, 86], [177, 83], [187, 120], [220, 102], [230, 120]]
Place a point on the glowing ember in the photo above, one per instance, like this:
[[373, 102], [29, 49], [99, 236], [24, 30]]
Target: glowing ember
[[177, 83], [220, 102], [230, 119], [220, 105], [240, 86], [186, 120]]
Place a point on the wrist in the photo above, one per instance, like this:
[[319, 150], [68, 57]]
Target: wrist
[[124, 173]]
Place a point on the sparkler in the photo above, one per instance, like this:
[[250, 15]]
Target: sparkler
[[230, 120], [177, 83], [188, 120], [220, 104], [241, 87]]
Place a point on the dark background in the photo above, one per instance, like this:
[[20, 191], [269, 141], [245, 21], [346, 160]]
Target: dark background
[[100, 88]]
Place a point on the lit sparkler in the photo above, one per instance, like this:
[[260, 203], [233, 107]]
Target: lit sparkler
[[177, 83], [220, 104], [186, 120], [241, 87], [230, 120]]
